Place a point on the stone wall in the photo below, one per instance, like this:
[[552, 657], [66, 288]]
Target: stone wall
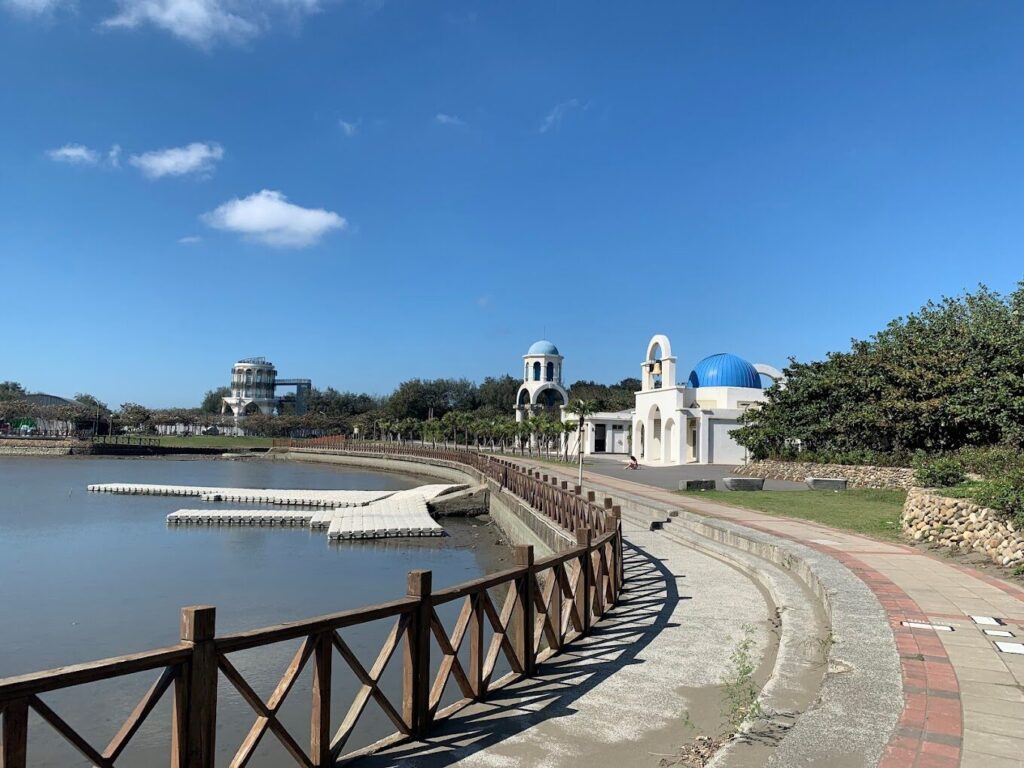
[[961, 524], [857, 476], [35, 446]]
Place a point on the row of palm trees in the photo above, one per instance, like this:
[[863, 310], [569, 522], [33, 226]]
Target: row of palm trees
[[548, 435]]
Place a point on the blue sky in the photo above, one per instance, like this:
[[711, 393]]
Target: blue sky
[[370, 191]]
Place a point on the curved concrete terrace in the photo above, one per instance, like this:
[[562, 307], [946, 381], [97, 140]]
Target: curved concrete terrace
[[960, 700], [891, 694], [650, 679]]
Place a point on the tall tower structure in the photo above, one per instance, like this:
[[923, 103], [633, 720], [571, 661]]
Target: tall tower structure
[[542, 389], [253, 380]]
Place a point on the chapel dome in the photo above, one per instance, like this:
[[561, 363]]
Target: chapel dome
[[724, 370], [542, 347]]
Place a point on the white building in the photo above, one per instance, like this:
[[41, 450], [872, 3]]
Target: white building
[[541, 390], [692, 423]]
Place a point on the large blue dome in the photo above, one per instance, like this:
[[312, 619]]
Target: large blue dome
[[724, 370], [542, 347]]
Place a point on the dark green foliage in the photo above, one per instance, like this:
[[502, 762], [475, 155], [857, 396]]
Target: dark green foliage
[[992, 461], [938, 471], [212, 400], [11, 390], [606, 397], [949, 376], [1005, 493]]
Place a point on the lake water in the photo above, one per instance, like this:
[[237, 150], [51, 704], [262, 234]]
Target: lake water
[[84, 576]]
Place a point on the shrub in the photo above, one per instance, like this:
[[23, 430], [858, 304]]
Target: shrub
[[1005, 493], [938, 471], [993, 461]]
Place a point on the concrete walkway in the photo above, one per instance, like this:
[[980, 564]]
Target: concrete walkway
[[620, 696], [963, 700]]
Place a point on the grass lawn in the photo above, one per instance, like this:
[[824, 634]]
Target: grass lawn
[[862, 510], [215, 441]]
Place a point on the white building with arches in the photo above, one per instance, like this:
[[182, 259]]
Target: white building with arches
[[542, 390], [692, 422]]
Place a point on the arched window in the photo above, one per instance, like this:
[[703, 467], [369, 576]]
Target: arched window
[[550, 372], [536, 371]]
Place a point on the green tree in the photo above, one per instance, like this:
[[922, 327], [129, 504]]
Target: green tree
[[91, 402], [213, 399], [581, 409], [948, 376], [11, 390]]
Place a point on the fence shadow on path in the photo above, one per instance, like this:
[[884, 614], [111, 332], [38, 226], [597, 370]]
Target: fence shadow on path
[[649, 597]]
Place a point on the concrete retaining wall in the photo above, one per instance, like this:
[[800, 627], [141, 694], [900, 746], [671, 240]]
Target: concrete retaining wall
[[963, 525], [857, 476]]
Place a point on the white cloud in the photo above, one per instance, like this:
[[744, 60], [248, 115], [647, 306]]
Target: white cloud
[[114, 156], [205, 22], [349, 129], [554, 118], [34, 7], [190, 240], [268, 217], [178, 161], [442, 119], [76, 154]]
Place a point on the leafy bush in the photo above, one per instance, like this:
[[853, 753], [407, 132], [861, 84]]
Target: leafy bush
[[993, 461], [938, 471], [847, 458], [1005, 493]]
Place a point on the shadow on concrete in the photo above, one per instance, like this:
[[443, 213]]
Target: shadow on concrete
[[649, 597]]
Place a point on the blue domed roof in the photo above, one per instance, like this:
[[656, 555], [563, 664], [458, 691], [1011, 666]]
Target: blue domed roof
[[724, 370], [542, 347]]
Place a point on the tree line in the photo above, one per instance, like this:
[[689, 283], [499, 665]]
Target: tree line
[[947, 377], [434, 410]]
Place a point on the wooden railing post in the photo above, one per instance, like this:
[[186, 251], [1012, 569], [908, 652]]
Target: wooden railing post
[[477, 651], [416, 682], [198, 721], [320, 715], [619, 547], [583, 538], [15, 735], [524, 615], [615, 566]]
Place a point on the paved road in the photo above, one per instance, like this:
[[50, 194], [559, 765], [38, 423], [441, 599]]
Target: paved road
[[670, 477]]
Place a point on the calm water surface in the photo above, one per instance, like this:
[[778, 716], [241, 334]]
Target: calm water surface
[[83, 576]]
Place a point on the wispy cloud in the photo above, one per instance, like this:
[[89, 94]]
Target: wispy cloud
[[75, 154], [442, 119], [206, 22], [347, 128], [114, 156], [34, 7], [267, 217], [196, 158], [190, 240], [553, 119]]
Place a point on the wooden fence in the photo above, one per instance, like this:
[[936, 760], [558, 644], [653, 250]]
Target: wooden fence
[[547, 604]]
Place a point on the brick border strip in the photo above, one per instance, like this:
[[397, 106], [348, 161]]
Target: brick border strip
[[930, 730]]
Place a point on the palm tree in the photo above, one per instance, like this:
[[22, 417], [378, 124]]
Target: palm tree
[[568, 428], [582, 409]]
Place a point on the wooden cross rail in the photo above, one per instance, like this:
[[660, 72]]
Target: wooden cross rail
[[547, 604]]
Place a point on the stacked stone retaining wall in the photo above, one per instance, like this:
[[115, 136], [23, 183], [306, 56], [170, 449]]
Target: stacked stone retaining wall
[[963, 525], [14, 446], [857, 476]]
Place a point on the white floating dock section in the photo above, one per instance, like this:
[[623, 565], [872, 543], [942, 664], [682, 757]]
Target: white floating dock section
[[250, 517], [277, 496], [343, 514], [398, 515]]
